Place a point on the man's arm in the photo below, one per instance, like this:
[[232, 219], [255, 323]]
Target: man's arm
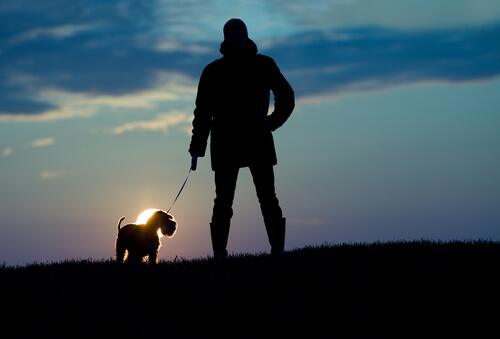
[[284, 98], [202, 117]]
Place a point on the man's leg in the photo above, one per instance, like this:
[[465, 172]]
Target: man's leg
[[225, 186], [263, 178]]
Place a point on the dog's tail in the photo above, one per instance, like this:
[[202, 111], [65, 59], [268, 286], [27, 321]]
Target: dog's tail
[[120, 222]]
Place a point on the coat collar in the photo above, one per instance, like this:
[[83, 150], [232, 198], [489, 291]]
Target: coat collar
[[250, 49]]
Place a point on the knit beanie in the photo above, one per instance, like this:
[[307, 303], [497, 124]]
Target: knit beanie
[[235, 25]]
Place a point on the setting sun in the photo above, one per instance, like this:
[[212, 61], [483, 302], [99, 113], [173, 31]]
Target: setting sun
[[144, 216]]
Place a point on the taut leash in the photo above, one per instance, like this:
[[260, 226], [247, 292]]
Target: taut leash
[[192, 168]]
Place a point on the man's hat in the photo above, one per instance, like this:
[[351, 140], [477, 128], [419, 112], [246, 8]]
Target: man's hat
[[235, 25]]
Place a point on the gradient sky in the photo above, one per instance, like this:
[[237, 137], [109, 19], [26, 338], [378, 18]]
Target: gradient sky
[[395, 135]]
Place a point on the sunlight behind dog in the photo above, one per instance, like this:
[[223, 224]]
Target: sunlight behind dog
[[144, 216]]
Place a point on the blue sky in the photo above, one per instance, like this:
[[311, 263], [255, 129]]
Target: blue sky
[[394, 135]]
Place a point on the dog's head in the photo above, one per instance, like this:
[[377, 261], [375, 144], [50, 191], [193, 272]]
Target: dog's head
[[165, 222]]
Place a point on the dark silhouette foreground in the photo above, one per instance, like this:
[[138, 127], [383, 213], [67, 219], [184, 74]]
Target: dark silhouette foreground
[[398, 290]]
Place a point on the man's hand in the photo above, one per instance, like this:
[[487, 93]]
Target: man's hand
[[267, 123], [194, 161]]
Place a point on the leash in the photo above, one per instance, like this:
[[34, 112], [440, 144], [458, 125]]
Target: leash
[[192, 168]]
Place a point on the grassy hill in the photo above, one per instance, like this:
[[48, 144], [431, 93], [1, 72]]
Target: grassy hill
[[398, 289]]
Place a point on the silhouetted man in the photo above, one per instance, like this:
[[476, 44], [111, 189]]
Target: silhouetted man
[[232, 106]]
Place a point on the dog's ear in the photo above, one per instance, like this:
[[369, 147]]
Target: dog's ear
[[169, 229]]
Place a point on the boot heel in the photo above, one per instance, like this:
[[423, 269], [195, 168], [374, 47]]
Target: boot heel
[[276, 234], [220, 235]]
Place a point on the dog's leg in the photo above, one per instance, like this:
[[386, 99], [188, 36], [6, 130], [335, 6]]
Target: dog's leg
[[133, 258], [120, 251], [153, 257], [120, 255]]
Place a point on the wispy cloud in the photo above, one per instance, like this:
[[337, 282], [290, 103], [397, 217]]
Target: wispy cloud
[[35, 144], [362, 59], [43, 142], [88, 56], [429, 14], [59, 113], [7, 151], [52, 174], [58, 32], [68, 105], [104, 51], [163, 122]]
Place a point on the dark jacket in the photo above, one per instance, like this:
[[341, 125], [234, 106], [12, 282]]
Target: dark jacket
[[232, 106]]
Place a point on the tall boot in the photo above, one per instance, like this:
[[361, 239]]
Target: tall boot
[[220, 234], [276, 234]]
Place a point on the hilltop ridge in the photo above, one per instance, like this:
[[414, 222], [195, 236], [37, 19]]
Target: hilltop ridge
[[395, 289]]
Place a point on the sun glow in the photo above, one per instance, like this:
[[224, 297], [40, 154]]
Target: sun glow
[[144, 216]]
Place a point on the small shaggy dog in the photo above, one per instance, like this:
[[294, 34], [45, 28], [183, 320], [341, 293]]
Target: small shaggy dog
[[141, 240]]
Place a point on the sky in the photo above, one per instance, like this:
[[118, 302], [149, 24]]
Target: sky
[[394, 135]]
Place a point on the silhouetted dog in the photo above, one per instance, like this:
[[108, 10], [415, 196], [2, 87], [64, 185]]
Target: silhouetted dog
[[141, 240]]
